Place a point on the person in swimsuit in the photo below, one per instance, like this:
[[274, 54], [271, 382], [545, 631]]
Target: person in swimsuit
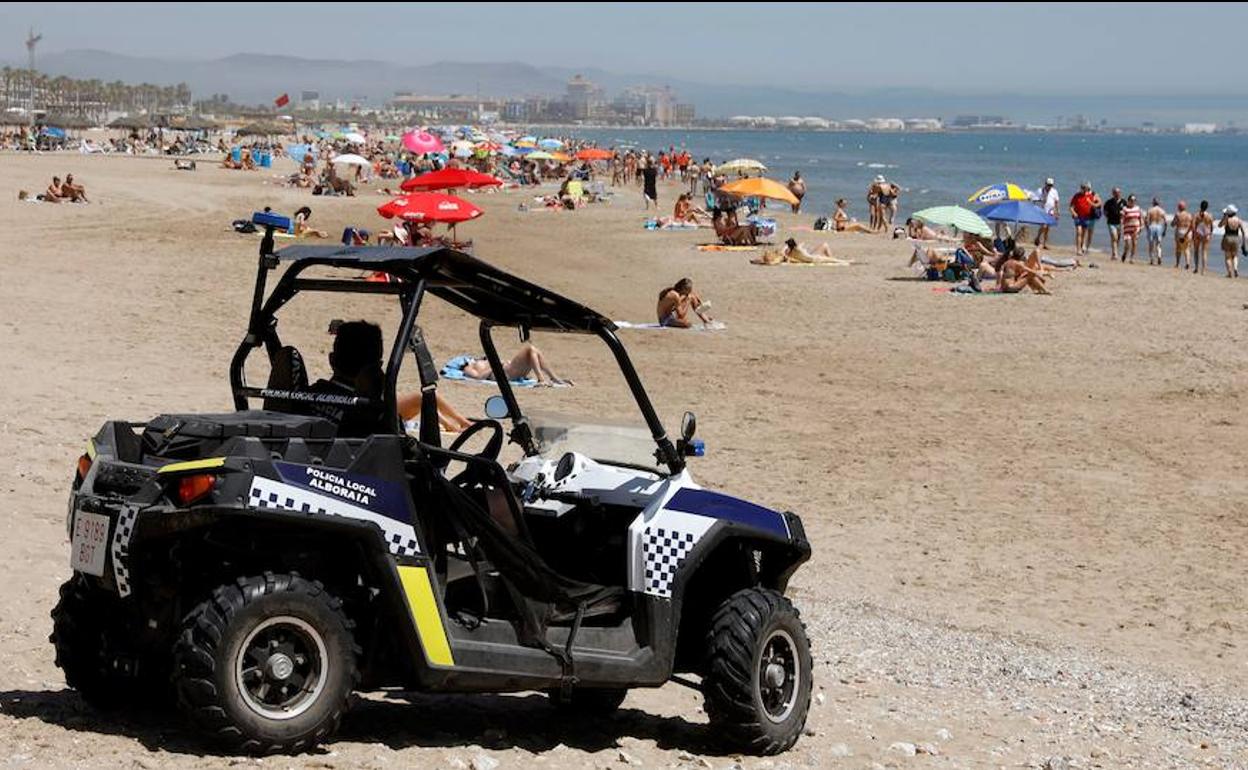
[[1182, 224], [76, 192], [918, 230], [797, 186], [800, 253], [1202, 233], [1016, 276], [1132, 223], [55, 192], [676, 302], [1232, 239], [528, 361], [302, 229], [842, 222], [1155, 220], [873, 204]]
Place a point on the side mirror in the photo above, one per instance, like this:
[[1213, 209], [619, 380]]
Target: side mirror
[[688, 427], [688, 446], [496, 408]]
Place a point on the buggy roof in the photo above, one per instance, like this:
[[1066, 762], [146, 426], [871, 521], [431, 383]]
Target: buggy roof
[[462, 280]]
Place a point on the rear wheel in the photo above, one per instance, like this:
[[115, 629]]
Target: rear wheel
[[757, 675], [589, 701], [267, 665], [97, 637]]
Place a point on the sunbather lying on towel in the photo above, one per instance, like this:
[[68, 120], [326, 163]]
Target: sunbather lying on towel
[[529, 361], [676, 302]]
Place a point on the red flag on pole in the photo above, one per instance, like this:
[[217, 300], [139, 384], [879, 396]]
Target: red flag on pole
[[282, 101]]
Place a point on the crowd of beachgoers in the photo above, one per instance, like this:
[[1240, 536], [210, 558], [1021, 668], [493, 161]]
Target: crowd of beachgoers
[[729, 196]]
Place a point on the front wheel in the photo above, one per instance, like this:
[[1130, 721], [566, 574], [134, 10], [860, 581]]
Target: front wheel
[[757, 673], [267, 665]]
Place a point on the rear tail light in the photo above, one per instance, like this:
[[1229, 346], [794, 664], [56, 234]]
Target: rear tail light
[[191, 488], [84, 467]]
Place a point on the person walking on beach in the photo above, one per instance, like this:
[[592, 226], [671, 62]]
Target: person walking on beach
[[1182, 224], [797, 186], [1202, 233], [1113, 220], [1155, 220], [873, 203], [1049, 199], [1233, 242], [649, 184], [1132, 223], [1081, 213]]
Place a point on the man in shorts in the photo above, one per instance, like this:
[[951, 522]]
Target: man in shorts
[[1048, 201], [1081, 213], [1113, 220]]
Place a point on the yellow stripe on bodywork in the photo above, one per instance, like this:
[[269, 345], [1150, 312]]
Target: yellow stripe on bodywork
[[193, 465], [424, 609], [91, 448]]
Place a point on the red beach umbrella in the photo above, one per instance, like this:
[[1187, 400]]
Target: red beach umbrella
[[430, 207], [449, 179]]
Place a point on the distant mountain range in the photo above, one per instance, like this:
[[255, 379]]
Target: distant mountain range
[[258, 78]]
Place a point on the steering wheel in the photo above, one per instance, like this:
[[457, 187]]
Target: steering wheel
[[493, 447]]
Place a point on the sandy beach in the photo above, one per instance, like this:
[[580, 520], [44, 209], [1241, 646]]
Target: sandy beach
[[1029, 514]]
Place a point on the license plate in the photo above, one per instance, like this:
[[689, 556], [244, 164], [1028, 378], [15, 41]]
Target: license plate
[[89, 545]]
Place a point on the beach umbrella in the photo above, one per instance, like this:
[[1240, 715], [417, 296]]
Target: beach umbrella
[[488, 146], [350, 159], [955, 216], [760, 187], [1017, 211], [593, 153], [560, 157], [539, 155], [508, 151], [740, 166], [430, 207], [422, 142], [450, 179], [462, 148], [996, 193], [262, 129], [550, 144], [68, 121], [354, 137], [131, 122], [297, 152]]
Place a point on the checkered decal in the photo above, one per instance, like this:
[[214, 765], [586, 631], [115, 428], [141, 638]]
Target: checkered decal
[[663, 550], [121, 547], [275, 495]]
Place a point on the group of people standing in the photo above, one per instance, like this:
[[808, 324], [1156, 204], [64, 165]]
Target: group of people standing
[[1127, 222]]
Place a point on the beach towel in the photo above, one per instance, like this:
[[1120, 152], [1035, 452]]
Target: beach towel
[[713, 326], [453, 371], [722, 247], [653, 224]]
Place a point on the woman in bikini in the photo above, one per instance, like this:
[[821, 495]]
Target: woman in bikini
[[1202, 232], [302, 229], [1016, 276], [843, 222], [1182, 224], [676, 302], [528, 361], [1232, 240]]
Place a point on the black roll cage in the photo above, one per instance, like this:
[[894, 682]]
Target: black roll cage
[[495, 297]]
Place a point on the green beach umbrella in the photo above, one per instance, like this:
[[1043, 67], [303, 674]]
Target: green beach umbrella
[[955, 216]]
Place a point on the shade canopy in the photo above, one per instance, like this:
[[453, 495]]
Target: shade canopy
[[1017, 211], [594, 153], [760, 187], [740, 166], [430, 207], [955, 216], [996, 193], [450, 179]]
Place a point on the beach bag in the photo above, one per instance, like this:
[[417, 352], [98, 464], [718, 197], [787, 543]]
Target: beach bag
[[1097, 212], [243, 226], [822, 224]]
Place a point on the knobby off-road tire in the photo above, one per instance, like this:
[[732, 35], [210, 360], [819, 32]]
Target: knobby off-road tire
[[589, 701], [267, 665], [757, 674], [94, 633]]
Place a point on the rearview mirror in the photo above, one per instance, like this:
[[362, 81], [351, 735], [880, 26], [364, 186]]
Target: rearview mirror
[[688, 427], [496, 408]]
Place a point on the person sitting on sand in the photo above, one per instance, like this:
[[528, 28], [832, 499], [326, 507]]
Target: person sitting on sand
[[528, 361], [730, 232], [919, 230], [685, 211], [843, 222], [676, 302], [248, 163], [1015, 276], [75, 192], [302, 230], [55, 192]]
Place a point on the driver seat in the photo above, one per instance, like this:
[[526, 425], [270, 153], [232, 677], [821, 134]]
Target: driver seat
[[287, 372]]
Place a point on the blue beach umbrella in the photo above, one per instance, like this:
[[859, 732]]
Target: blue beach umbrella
[[1018, 212], [550, 144], [297, 152]]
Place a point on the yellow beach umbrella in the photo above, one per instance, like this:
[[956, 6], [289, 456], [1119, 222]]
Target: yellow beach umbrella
[[760, 187], [998, 193], [561, 157]]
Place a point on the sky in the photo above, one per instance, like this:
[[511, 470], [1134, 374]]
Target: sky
[[1041, 48]]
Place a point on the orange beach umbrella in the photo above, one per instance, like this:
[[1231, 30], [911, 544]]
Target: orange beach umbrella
[[760, 187]]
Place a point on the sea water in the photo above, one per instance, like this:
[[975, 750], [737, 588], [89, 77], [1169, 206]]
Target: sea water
[[936, 169]]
